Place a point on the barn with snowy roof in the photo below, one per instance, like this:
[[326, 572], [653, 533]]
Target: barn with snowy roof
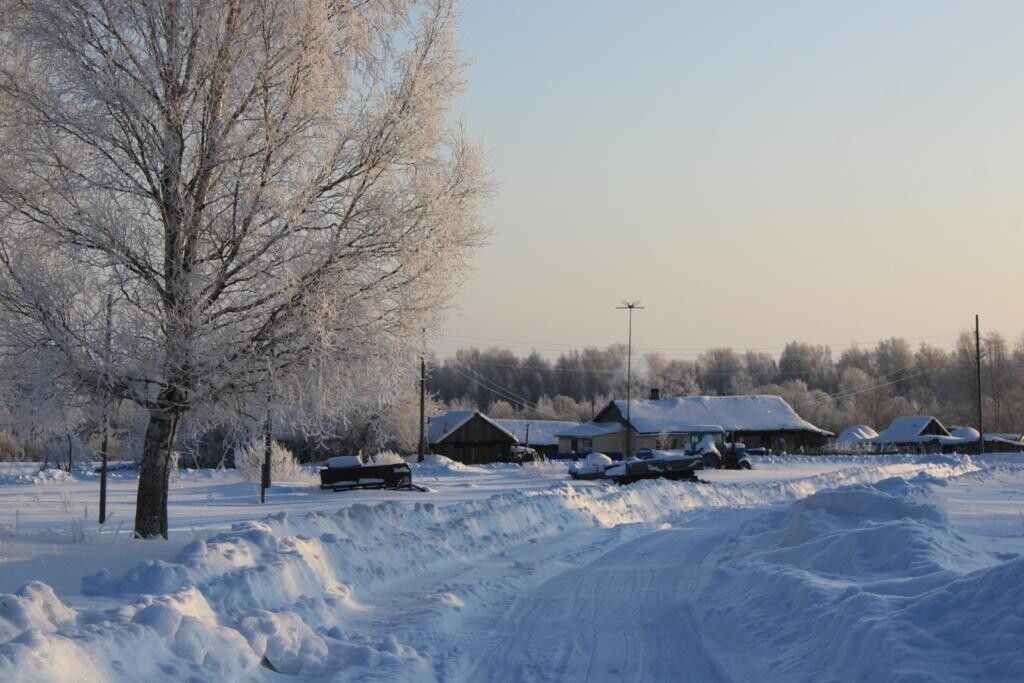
[[926, 433], [470, 437], [757, 421], [916, 433]]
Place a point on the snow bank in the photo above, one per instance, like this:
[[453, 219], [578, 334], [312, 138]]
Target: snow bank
[[34, 606], [284, 590], [865, 583], [439, 466], [345, 461], [35, 477]]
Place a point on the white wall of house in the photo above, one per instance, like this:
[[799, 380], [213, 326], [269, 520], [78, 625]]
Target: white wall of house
[[610, 443], [566, 445]]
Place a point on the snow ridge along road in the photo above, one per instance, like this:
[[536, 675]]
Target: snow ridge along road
[[532, 583]]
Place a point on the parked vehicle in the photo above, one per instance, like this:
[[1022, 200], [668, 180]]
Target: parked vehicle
[[521, 454], [592, 467], [651, 464], [708, 452], [735, 457]]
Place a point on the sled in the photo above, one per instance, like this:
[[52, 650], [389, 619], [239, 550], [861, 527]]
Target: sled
[[397, 477], [674, 470]]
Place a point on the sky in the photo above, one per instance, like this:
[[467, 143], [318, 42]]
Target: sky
[[752, 172]]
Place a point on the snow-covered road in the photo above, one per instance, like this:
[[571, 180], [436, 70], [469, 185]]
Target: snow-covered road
[[626, 616], [790, 572]]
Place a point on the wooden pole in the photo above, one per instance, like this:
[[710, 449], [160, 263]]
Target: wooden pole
[[105, 419], [977, 351], [422, 449], [629, 379], [267, 442]]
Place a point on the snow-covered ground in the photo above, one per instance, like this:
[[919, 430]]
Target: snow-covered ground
[[824, 568]]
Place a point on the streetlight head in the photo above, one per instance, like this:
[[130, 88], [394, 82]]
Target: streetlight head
[[629, 305]]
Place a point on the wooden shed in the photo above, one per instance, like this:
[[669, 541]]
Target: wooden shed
[[469, 437]]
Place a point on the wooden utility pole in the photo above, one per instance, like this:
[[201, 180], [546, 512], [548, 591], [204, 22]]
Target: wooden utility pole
[[422, 449], [629, 306], [977, 352], [265, 470], [105, 417]]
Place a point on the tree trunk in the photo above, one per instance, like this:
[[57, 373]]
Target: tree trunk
[[154, 475]]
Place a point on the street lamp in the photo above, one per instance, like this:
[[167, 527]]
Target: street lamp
[[629, 306]]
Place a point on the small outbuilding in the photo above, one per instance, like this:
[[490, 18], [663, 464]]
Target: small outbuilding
[[855, 438], [540, 435], [469, 437], [917, 433], [995, 442]]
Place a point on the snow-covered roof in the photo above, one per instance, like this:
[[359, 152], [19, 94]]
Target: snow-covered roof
[[588, 430], [715, 414], [541, 432], [857, 434], [1009, 437], [971, 434], [908, 428], [440, 427], [968, 433]]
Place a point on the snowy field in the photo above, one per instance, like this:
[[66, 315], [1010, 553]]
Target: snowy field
[[804, 569]]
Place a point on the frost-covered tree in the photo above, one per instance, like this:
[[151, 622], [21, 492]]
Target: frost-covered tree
[[401, 418], [808, 362], [271, 192], [720, 370]]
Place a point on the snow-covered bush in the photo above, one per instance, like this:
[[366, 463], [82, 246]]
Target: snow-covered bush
[[249, 461]]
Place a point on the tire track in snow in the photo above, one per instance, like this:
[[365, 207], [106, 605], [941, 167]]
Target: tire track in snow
[[625, 616]]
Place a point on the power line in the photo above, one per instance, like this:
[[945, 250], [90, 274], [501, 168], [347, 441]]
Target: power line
[[680, 352], [504, 393], [861, 390]]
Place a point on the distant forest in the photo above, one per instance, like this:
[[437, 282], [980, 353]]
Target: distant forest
[[859, 386]]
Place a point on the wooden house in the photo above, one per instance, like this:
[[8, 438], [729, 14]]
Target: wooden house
[[757, 421], [469, 437]]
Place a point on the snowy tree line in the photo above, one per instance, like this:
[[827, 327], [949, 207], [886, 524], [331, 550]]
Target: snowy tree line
[[857, 385]]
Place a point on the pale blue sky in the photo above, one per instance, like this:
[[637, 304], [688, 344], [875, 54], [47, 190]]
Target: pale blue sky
[[754, 172]]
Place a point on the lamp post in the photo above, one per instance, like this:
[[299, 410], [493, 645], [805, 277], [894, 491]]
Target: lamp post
[[629, 306], [977, 350]]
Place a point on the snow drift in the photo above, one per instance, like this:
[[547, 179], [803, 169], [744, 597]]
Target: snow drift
[[865, 583], [286, 591]]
